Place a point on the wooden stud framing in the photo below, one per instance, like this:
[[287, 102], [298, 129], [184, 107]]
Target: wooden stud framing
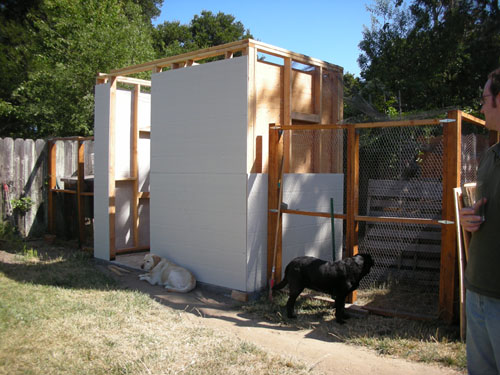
[[286, 115], [275, 156], [252, 115], [352, 197], [318, 92], [52, 185], [79, 191], [452, 135], [226, 50], [134, 168]]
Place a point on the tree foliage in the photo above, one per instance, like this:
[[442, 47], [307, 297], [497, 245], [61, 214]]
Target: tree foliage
[[431, 53], [204, 30], [52, 50], [64, 45]]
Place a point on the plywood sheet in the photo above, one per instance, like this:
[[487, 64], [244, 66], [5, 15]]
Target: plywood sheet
[[268, 86], [302, 92]]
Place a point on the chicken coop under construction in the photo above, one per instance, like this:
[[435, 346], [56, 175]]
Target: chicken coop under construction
[[181, 161]]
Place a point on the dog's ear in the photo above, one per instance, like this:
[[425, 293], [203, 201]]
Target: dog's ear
[[156, 260]]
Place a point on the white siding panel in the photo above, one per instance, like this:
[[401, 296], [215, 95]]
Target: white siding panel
[[257, 232], [123, 217], [144, 222], [144, 142], [101, 162], [306, 235], [201, 114], [144, 160], [144, 118], [198, 170], [123, 133]]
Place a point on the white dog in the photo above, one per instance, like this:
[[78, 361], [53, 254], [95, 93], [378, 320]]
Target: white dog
[[162, 272]]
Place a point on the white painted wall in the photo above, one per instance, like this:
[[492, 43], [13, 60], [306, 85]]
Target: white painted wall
[[256, 231], [306, 235], [198, 170], [101, 162], [143, 161], [206, 212], [124, 191]]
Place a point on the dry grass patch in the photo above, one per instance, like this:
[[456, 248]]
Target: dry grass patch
[[421, 341], [58, 314]]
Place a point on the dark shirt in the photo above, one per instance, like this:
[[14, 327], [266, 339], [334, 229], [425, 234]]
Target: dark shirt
[[482, 274]]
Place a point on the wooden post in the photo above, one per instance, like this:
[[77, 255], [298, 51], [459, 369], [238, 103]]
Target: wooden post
[[318, 92], [52, 185], [275, 155], [452, 135], [352, 196], [79, 191], [254, 154], [287, 109], [111, 169]]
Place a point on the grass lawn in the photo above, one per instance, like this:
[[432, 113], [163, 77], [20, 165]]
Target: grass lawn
[[421, 341], [59, 315]]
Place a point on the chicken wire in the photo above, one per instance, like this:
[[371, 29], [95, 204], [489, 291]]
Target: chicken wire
[[400, 176]]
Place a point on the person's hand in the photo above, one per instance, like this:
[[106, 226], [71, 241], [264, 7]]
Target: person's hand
[[469, 218]]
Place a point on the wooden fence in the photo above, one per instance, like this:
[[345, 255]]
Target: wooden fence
[[24, 173]]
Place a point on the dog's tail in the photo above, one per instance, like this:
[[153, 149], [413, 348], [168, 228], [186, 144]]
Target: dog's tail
[[189, 287], [281, 284]]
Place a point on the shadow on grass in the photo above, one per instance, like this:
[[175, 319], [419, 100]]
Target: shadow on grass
[[318, 316], [52, 266], [73, 269]]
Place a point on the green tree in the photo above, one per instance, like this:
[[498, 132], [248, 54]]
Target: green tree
[[172, 38], [150, 8], [68, 43], [434, 53], [204, 30]]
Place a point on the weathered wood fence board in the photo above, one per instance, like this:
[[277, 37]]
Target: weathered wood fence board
[[24, 173]]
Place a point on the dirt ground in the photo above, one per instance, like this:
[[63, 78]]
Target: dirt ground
[[215, 308]]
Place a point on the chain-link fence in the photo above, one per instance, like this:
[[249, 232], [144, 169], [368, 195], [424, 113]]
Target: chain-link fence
[[399, 197]]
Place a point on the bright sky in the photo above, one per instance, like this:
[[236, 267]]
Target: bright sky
[[328, 30]]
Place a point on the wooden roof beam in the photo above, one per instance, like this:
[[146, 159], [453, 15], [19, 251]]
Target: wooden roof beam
[[227, 50]]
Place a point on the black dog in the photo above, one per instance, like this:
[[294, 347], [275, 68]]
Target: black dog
[[338, 279]]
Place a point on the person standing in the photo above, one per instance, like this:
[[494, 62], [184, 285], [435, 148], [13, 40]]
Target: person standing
[[482, 274]]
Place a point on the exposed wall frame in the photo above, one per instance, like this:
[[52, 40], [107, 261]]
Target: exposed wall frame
[[134, 170], [257, 162]]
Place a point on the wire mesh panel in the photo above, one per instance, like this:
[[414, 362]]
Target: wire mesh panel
[[400, 173], [398, 193], [475, 142]]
